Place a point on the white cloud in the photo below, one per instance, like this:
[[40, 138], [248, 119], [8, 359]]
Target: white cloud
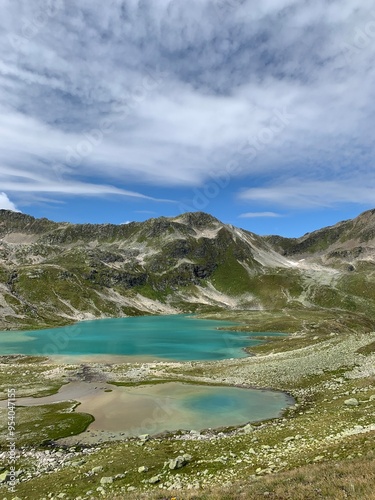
[[74, 188], [313, 194], [6, 204], [250, 215], [186, 85]]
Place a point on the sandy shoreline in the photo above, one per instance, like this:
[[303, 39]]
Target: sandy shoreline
[[113, 359]]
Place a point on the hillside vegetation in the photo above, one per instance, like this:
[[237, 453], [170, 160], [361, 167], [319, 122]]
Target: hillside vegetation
[[57, 273]]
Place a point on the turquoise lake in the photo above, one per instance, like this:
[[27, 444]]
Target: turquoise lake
[[174, 337]]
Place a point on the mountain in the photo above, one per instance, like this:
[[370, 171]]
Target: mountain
[[350, 241], [55, 273]]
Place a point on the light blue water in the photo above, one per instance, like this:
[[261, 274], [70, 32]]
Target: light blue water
[[175, 337], [171, 406], [223, 406]]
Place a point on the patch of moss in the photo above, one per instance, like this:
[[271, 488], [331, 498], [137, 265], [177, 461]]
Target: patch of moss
[[35, 424]]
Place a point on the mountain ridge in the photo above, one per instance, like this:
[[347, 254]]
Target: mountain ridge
[[54, 273]]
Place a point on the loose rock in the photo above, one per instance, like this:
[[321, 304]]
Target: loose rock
[[154, 480], [351, 402], [106, 480]]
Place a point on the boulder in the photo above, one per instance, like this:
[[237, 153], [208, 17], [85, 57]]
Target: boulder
[[106, 480], [144, 437], [193, 432], [154, 480], [180, 461], [351, 402], [97, 469], [247, 429], [3, 476]]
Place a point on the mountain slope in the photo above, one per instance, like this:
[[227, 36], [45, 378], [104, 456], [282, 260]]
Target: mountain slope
[[54, 273], [348, 241]]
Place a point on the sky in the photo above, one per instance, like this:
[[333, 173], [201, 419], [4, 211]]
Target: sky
[[260, 113]]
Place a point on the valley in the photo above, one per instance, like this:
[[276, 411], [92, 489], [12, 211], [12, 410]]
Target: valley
[[317, 289]]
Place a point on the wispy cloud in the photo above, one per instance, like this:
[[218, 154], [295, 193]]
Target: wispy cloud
[[297, 194], [148, 212], [74, 188], [182, 85], [250, 215]]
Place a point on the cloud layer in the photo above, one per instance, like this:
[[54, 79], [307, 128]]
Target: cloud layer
[[99, 97], [254, 215]]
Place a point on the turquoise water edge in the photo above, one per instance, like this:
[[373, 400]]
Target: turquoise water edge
[[170, 338], [173, 337]]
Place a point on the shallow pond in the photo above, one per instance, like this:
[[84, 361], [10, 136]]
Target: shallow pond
[[152, 409]]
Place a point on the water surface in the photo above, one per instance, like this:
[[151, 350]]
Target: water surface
[[151, 409], [174, 337]]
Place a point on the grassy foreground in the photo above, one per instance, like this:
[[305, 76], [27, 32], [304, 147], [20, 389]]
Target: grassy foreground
[[337, 480]]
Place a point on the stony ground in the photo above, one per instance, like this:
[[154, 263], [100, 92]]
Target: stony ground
[[332, 422]]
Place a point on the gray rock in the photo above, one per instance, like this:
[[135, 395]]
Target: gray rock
[[247, 429], [176, 463], [351, 402], [144, 437], [154, 480], [106, 480], [120, 476], [180, 461], [3, 476], [77, 463], [143, 468], [97, 469]]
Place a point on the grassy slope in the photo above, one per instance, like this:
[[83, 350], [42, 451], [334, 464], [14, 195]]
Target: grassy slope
[[337, 480]]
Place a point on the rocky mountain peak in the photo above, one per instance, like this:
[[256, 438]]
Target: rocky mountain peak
[[199, 220]]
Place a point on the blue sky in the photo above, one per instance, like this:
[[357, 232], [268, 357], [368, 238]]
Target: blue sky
[[260, 113]]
